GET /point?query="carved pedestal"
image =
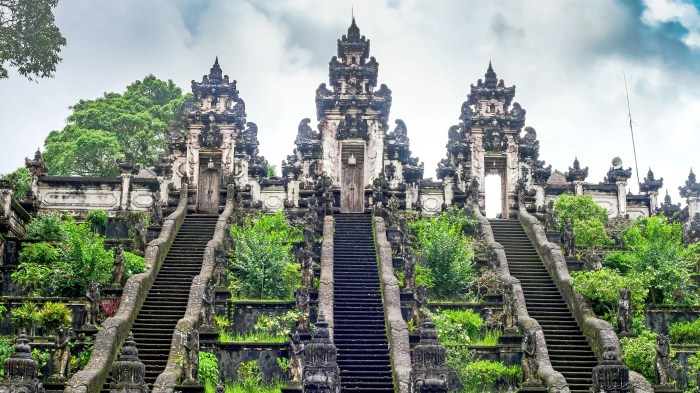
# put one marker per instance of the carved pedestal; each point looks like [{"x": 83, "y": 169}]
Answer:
[
  {"x": 320, "y": 373},
  {"x": 128, "y": 372},
  {"x": 611, "y": 375},
  {"x": 429, "y": 373},
  {"x": 21, "y": 370}
]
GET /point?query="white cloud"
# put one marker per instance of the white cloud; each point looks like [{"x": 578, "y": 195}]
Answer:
[{"x": 661, "y": 11}]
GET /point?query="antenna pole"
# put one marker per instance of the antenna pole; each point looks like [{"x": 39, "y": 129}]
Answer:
[{"x": 629, "y": 116}]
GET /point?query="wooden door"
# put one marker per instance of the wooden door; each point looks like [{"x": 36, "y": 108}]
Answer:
[
  {"x": 352, "y": 179},
  {"x": 208, "y": 193}
]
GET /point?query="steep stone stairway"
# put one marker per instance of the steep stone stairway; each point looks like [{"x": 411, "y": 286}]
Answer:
[
  {"x": 568, "y": 349},
  {"x": 167, "y": 299},
  {"x": 360, "y": 332}
]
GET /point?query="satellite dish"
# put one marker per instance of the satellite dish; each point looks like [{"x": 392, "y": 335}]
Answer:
[{"x": 616, "y": 163}]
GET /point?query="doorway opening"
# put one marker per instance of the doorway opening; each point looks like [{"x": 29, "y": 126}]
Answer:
[{"x": 493, "y": 198}]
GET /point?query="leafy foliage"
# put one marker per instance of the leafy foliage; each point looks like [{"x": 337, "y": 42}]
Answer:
[
  {"x": 685, "y": 332},
  {"x": 590, "y": 233},
  {"x": 250, "y": 376},
  {"x": 133, "y": 264},
  {"x": 78, "y": 361},
  {"x": 47, "y": 226},
  {"x": 639, "y": 353},
  {"x": 25, "y": 316},
  {"x": 97, "y": 218},
  {"x": 447, "y": 255},
  {"x": 54, "y": 315},
  {"x": 102, "y": 131},
  {"x": 208, "y": 374},
  {"x": 577, "y": 208},
  {"x": 7, "y": 348},
  {"x": 604, "y": 285},
  {"x": 456, "y": 326},
  {"x": 655, "y": 247},
  {"x": 262, "y": 251},
  {"x": 29, "y": 38},
  {"x": 20, "y": 182}
]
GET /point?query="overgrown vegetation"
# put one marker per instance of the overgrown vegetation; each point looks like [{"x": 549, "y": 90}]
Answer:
[
  {"x": 269, "y": 328},
  {"x": 639, "y": 353},
  {"x": 20, "y": 180},
  {"x": 684, "y": 332}
]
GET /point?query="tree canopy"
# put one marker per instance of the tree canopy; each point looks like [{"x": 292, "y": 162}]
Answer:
[
  {"x": 102, "y": 131},
  {"x": 29, "y": 39}
]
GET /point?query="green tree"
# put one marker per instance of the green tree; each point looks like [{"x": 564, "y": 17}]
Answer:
[
  {"x": 577, "y": 208},
  {"x": 20, "y": 181},
  {"x": 101, "y": 131},
  {"x": 29, "y": 38}
]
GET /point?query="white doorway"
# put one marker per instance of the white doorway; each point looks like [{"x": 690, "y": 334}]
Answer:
[{"x": 493, "y": 198}]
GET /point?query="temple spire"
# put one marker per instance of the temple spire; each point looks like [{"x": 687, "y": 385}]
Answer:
[
  {"x": 490, "y": 79},
  {"x": 353, "y": 31}
]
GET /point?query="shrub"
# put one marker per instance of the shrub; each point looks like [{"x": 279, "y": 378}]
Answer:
[
  {"x": 639, "y": 353},
  {"x": 291, "y": 277},
  {"x": 655, "y": 247},
  {"x": 7, "y": 348},
  {"x": 32, "y": 276},
  {"x": 20, "y": 182},
  {"x": 577, "y": 208},
  {"x": 133, "y": 264},
  {"x": 447, "y": 254},
  {"x": 456, "y": 326},
  {"x": 603, "y": 286},
  {"x": 47, "y": 226},
  {"x": 250, "y": 376},
  {"x": 78, "y": 361},
  {"x": 590, "y": 233},
  {"x": 96, "y": 218},
  {"x": 109, "y": 307},
  {"x": 262, "y": 251},
  {"x": 25, "y": 316},
  {"x": 54, "y": 315},
  {"x": 208, "y": 374},
  {"x": 482, "y": 375},
  {"x": 685, "y": 332}
]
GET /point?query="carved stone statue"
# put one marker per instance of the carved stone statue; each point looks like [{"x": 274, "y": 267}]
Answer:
[
  {"x": 421, "y": 300},
  {"x": 611, "y": 374},
  {"x": 21, "y": 370},
  {"x": 529, "y": 360},
  {"x": 568, "y": 238},
  {"x": 409, "y": 275},
  {"x": 510, "y": 313},
  {"x": 93, "y": 309},
  {"x": 208, "y": 303},
  {"x": 296, "y": 353},
  {"x": 220, "y": 274},
  {"x": 128, "y": 371},
  {"x": 624, "y": 314},
  {"x": 61, "y": 357},
  {"x": 119, "y": 268},
  {"x": 303, "y": 300},
  {"x": 191, "y": 357},
  {"x": 662, "y": 365},
  {"x": 320, "y": 373},
  {"x": 429, "y": 372},
  {"x": 307, "y": 268},
  {"x": 157, "y": 210}
]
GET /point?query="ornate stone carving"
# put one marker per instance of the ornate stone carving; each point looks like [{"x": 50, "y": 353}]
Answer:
[
  {"x": 495, "y": 140},
  {"x": 61, "y": 356},
  {"x": 21, "y": 370},
  {"x": 397, "y": 143},
  {"x": 37, "y": 166},
  {"x": 691, "y": 187},
  {"x": 576, "y": 173},
  {"x": 303, "y": 300},
  {"x": 93, "y": 309},
  {"x": 296, "y": 354},
  {"x": 221, "y": 265},
  {"x": 191, "y": 357},
  {"x": 624, "y": 314},
  {"x": 208, "y": 303},
  {"x": 320, "y": 373},
  {"x": 529, "y": 360},
  {"x": 128, "y": 371},
  {"x": 611, "y": 375},
  {"x": 662, "y": 363},
  {"x": 119, "y": 268},
  {"x": 353, "y": 127},
  {"x": 669, "y": 209},
  {"x": 210, "y": 136},
  {"x": 650, "y": 184},
  {"x": 529, "y": 146},
  {"x": 568, "y": 238},
  {"x": 693, "y": 233},
  {"x": 429, "y": 372},
  {"x": 510, "y": 313},
  {"x": 618, "y": 175}
]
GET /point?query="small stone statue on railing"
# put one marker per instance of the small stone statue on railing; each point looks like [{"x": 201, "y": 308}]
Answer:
[
  {"x": 157, "y": 210},
  {"x": 303, "y": 300},
  {"x": 510, "y": 312},
  {"x": 529, "y": 360},
  {"x": 61, "y": 357},
  {"x": 296, "y": 354},
  {"x": 624, "y": 314},
  {"x": 611, "y": 375},
  {"x": 429, "y": 372},
  {"x": 568, "y": 238},
  {"x": 420, "y": 298},
  {"x": 191, "y": 357},
  {"x": 220, "y": 274},
  {"x": 128, "y": 372},
  {"x": 409, "y": 269},
  {"x": 119, "y": 268},
  {"x": 320, "y": 373},
  {"x": 307, "y": 268},
  {"x": 21, "y": 370},
  {"x": 662, "y": 365},
  {"x": 93, "y": 308},
  {"x": 208, "y": 303}
]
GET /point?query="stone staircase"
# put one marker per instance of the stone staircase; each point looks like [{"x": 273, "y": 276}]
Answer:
[
  {"x": 167, "y": 299},
  {"x": 568, "y": 348},
  {"x": 359, "y": 329}
]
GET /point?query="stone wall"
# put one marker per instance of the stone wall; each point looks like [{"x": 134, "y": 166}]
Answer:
[
  {"x": 600, "y": 333},
  {"x": 114, "y": 330},
  {"x": 325, "y": 286},
  {"x": 232, "y": 355},
  {"x": 391, "y": 297}
]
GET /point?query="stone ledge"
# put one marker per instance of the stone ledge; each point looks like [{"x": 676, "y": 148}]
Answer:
[{"x": 325, "y": 286}]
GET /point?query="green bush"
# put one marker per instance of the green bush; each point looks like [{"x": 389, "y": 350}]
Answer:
[
  {"x": 639, "y": 353},
  {"x": 54, "y": 315},
  {"x": 250, "y": 376},
  {"x": 133, "y": 264},
  {"x": 208, "y": 374},
  {"x": 7, "y": 348},
  {"x": 685, "y": 332},
  {"x": 80, "y": 360},
  {"x": 35, "y": 266},
  {"x": 456, "y": 326},
  {"x": 262, "y": 251},
  {"x": 655, "y": 247},
  {"x": 96, "y": 218},
  {"x": 590, "y": 233},
  {"x": 481, "y": 375},
  {"x": 604, "y": 285},
  {"x": 25, "y": 316},
  {"x": 577, "y": 208},
  {"x": 447, "y": 254},
  {"x": 20, "y": 182},
  {"x": 46, "y": 226}
]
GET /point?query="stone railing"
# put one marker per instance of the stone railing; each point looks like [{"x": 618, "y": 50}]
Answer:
[
  {"x": 173, "y": 370},
  {"x": 600, "y": 333},
  {"x": 399, "y": 348},
  {"x": 553, "y": 380},
  {"x": 115, "y": 330},
  {"x": 325, "y": 285}
]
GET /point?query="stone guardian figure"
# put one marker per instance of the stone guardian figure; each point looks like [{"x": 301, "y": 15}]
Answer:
[
  {"x": 61, "y": 357},
  {"x": 568, "y": 238},
  {"x": 296, "y": 354},
  {"x": 510, "y": 313},
  {"x": 93, "y": 297},
  {"x": 208, "y": 311},
  {"x": 529, "y": 360},
  {"x": 624, "y": 314},
  {"x": 119, "y": 268},
  {"x": 191, "y": 357},
  {"x": 662, "y": 365}
]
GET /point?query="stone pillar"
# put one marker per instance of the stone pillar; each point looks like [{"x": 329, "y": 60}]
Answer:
[
  {"x": 21, "y": 370},
  {"x": 128, "y": 372},
  {"x": 449, "y": 190},
  {"x": 621, "y": 197},
  {"x": 429, "y": 372},
  {"x": 320, "y": 373},
  {"x": 693, "y": 207},
  {"x": 653, "y": 202},
  {"x": 578, "y": 188},
  {"x": 127, "y": 169}
]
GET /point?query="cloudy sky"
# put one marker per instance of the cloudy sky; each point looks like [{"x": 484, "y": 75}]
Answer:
[{"x": 566, "y": 58}]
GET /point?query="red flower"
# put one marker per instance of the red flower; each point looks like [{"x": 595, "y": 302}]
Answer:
[
  {"x": 69, "y": 277},
  {"x": 87, "y": 271}
]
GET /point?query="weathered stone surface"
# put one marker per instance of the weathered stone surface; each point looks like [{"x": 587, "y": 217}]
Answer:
[
  {"x": 21, "y": 370},
  {"x": 391, "y": 294},
  {"x": 128, "y": 372},
  {"x": 600, "y": 333},
  {"x": 320, "y": 373},
  {"x": 115, "y": 330},
  {"x": 325, "y": 287}
]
